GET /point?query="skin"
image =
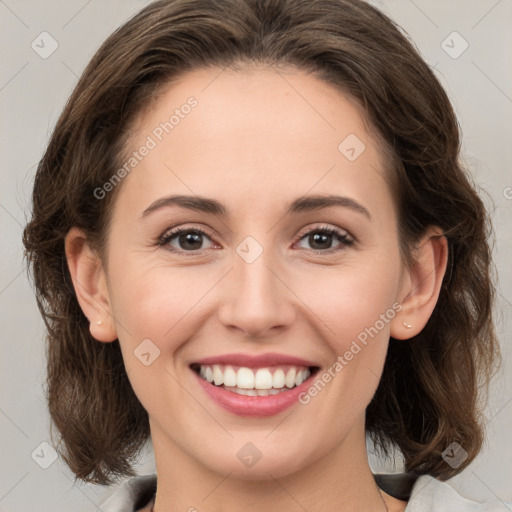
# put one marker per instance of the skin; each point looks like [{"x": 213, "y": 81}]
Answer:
[{"x": 258, "y": 139}]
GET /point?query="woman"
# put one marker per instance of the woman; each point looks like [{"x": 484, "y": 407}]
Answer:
[{"x": 253, "y": 244}]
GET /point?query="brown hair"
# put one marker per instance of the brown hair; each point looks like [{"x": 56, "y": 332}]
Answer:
[{"x": 428, "y": 395}]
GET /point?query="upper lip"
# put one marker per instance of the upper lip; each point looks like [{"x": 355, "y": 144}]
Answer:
[{"x": 255, "y": 361}]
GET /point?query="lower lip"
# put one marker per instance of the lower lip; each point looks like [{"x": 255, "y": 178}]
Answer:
[{"x": 244, "y": 405}]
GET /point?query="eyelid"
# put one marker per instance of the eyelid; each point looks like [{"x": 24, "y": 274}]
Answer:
[
  {"x": 342, "y": 235},
  {"x": 321, "y": 226},
  {"x": 175, "y": 230},
  {"x": 333, "y": 230}
]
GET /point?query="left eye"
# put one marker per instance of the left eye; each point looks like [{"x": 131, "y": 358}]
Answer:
[{"x": 324, "y": 236}]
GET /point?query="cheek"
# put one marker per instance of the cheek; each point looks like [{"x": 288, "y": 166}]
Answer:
[
  {"x": 155, "y": 303},
  {"x": 357, "y": 304},
  {"x": 153, "y": 308},
  {"x": 348, "y": 301}
]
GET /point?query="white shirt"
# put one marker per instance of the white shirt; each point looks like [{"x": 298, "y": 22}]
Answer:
[{"x": 427, "y": 495}]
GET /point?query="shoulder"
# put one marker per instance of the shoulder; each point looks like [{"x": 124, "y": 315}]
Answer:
[
  {"x": 431, "y": 495},
  {"x": 132, "y": 495},
  {"x": 428, "y": 494},
  {"x": 424, "y": 494}
]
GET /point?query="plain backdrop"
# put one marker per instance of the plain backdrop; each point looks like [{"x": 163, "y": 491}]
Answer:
[{"x": 33, "y": 91}]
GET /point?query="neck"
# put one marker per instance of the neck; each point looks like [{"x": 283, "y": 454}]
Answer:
[{"x": 339, "y": 480}]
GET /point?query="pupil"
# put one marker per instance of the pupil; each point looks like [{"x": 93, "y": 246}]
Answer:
[
  {"x": 318, "y": 237},
  {"x": 191, "y": 240}
]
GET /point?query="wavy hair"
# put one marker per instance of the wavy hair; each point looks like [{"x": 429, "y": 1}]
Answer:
[{"x": 428, "y": 396}]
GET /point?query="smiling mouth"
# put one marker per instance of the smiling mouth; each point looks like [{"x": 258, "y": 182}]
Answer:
[{"x": 265, "y": 381}]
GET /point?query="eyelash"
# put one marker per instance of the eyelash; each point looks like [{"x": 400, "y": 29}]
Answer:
[{"x": 341, "y": 235}]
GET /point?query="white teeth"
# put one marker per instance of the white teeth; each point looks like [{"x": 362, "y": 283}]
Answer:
[
  {"x": 265, "y": 380},
  {"x": 245, "y": 378},
  {"x": 229, "y": 376},
  {"x": 247, "y": 392},
  {"x": 304, "y": 374},
  {"x": 253, "y": 392},
  {"x": 290, "y": 378},
  {"x": 218, "y": 375},
  {"x": 278, "y": 379}
]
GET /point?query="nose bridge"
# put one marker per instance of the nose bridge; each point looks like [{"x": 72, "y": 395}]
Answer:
[
  {"x": 256, "y": 282},
  {"x": 256, "y": 300}
]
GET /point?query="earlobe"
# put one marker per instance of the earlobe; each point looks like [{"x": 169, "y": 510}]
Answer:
[
  {"x": 89, "y": 282},
  {"x": 422, "y": 285}
]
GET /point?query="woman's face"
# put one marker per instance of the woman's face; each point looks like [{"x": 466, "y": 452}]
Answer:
[{"x": 251, "y": 284}]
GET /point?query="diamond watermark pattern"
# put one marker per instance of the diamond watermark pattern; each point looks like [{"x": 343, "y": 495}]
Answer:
[
  {"x": 44, "y": 45},
  {"x": 147, "y": 352},
  {"x": 454, "y": 45},
  {"x": 249, "y": 455},
  {"x": 249, "y": 249},
  {"x": 351, "y": 147},
  {"x": 455, "y": 455},
  {"x": 45, "y": 455}
]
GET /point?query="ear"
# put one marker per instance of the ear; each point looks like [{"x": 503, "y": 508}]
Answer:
[
  {"x": 90, "y": 285},
  {"x": 421, "y": 285}
]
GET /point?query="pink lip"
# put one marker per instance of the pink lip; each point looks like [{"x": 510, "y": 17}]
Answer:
[
  {"x": 244, "y": 405},
  {"x": 255, "y": 406},
  {"x": 256, "y": 361}
]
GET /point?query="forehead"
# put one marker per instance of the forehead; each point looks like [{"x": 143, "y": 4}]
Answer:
[{"x": 255, "y": 132}]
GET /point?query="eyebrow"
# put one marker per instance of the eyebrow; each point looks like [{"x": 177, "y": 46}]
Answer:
[{"x": 214, "y": 207}]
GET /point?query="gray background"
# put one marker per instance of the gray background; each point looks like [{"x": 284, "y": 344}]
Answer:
[{"x": 33, "y": 91}]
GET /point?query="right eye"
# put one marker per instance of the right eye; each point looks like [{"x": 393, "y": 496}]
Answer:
[{"x": 183, "y": 240}]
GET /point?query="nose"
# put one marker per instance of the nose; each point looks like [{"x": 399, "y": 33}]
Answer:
[{"x": 256, "y": 300}]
